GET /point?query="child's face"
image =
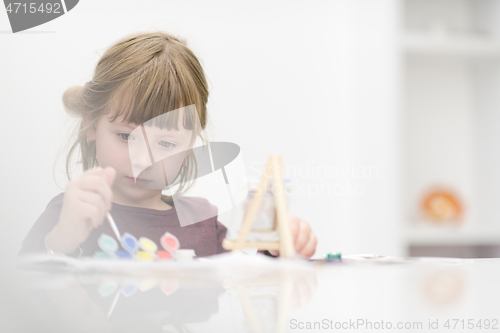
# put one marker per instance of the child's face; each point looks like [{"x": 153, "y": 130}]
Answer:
[{"x": 122, "y": 146}]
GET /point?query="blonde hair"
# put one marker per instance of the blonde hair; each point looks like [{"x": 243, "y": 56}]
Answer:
[{"x": 140, "y": 77}]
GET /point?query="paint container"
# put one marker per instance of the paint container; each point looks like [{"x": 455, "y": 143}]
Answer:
[{"x": 129, "y": 243}]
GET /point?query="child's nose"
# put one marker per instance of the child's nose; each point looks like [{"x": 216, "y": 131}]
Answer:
[{"x": 140, "y": 160}]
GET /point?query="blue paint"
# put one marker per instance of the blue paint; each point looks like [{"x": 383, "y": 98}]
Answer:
[
  {"x": 123, "y": 255},
  {"x": 129, "y": 243}
]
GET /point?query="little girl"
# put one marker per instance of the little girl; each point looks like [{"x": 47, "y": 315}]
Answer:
[{"x": 139, "y": 78}]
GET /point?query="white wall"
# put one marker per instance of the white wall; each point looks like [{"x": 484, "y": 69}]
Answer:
[
  {"x": 487, "y": 85},
  {"x": 441, "y": 131},
  {"x": 487, "y": 79},
  {"x": 315, "y": 82}
]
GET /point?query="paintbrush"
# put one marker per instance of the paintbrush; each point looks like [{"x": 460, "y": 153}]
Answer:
[{"x": 113, "y": 226}]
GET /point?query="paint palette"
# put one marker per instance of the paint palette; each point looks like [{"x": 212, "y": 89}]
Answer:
[{"x": 143, "y": 249}]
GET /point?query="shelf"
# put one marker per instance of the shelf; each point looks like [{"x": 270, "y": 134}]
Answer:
[
  {"x": 459, "y": 45},
  {"x": 442, "y": 236}
]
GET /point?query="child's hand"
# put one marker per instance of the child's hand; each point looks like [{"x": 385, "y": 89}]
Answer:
[
  {"x": 86, "y": 200},
  {"x": 304, "y": 239}
]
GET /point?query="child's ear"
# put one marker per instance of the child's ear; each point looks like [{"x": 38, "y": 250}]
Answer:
[{"x": 91, "y": 131}]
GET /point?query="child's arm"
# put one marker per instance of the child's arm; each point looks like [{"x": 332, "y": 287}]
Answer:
[{"x": 86, "y": 201}]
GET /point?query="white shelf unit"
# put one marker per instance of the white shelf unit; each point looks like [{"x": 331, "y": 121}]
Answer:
[
  {"x": 450, "y": 53},
  {"x": 425, "y": 235},
  {"x": 421, "y": 43}
]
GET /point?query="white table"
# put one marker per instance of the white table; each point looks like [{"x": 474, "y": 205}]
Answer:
[{"x": 432, "y": 295}]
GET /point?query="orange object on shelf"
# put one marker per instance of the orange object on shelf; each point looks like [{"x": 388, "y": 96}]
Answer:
[{"x": 442, "y": 205}]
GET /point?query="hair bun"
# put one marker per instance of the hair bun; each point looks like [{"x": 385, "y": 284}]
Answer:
[{"x": 73, "y": 101}]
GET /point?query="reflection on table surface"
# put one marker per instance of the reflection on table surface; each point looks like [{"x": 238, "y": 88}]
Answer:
[{"x": 261, "y": 295}]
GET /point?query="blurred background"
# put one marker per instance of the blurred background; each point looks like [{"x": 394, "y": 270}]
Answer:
[{"x": 386, "y": 112}]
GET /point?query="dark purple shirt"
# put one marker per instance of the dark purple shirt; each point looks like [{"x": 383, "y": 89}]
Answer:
[{"x": 204, "y": 237}]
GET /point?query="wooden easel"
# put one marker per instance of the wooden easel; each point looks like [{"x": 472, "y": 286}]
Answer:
[{"x": 273, "y": 169}]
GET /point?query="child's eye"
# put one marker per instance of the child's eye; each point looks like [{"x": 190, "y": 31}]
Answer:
[
  {"x": 126, "y": 136},
  {"x": 166, "y": 144}
]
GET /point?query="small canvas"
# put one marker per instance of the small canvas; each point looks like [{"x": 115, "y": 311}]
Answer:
[{"x": 278, "y": 237}]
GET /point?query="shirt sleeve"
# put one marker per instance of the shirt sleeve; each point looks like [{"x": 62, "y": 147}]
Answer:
[
  {"x": 221, "y": 234},
  {"x": 34, "y": 240}
]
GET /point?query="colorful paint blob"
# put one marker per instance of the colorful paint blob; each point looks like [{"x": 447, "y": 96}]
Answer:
[
  {"x": 147, "y": 245},
  {"x": 102, "y": 255},
  {"x": 107, "y": 243},
  {"x": 164, "y": 255},
  {"x": 143, "y": 249},
  {"x": 129, "y": 243},
  {"x": 144, "y": 256},
  {"x": 123, "y": 255},
  {"x": 169, "y": 242}
]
